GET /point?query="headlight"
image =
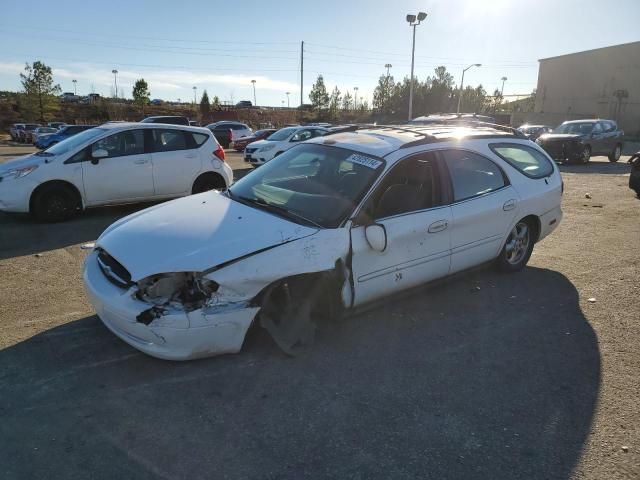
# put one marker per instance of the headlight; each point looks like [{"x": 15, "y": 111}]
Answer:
[
  {"x": 266, "y": 148},
  {"x": 186, "y": 291},
  {"x": 21, "y": 172}
]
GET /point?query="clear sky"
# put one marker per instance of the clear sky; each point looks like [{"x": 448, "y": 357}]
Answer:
[{"x": 222, "y": 45}]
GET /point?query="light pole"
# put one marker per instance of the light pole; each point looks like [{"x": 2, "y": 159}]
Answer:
[
  {"x": 195, "y": 94},
  {"x": 355, "y": 97},
  {"x": 287, "y": 98},
  {"x": 413, "y": 22},
  {"x": 115, "y": 80},
  {"x": 384, "y": 97},
  {"x": 387, "y": 66},
  {"x": 75, "y": 90},
  {"x": 504, "y": 79},
  {"x": 282, "y": 101},
  {"x": 462, "y": 84},
  {"x": 255, "y": 104}
]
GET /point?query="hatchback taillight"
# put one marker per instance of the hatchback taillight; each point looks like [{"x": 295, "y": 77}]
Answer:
[{"x": 219, "y": 152}]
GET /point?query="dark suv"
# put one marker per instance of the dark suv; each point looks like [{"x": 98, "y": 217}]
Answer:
[{"x": 576, "y": 141}]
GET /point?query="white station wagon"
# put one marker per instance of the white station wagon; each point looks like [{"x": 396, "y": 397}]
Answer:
[
  {"x": 113, "y": 163},
  {"x": 333, "y": 223}
]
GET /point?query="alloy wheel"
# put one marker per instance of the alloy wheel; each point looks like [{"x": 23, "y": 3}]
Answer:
[{"x": 517, "y": 243}]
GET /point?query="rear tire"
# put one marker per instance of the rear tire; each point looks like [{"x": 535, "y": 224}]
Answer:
[
  {"x": 208, "y": 181},
  {"x": 55, "y": 203},
  {"x": 518, "y": 247},
  {"x": 586, "y": 155},
  {"x": 615, "y": 155}
]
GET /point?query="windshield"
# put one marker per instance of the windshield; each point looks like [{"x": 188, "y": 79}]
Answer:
[
  {"x": 282, "y": 134},
  {"x": 580, "y": 128},
  {"x": 72, "y": 143},
  {"x": 310, "y": 184}
]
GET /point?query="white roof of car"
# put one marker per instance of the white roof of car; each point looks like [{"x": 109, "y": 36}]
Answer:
[{"x": 385, "y": 139}]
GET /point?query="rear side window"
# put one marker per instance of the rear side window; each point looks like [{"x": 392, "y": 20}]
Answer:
[
  {"x": 472, "y": 174},
  {"x": 199, "y": 138},
  {"x": 527, "y": 160},
  {"x": 168, "y": 140}
]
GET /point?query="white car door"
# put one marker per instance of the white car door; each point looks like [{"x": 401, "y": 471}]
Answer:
[
  {"x": 175, "y": 161},
  {"x": 117, "y": 169},
  {"x": 408, "y": 205},
  {"x": 484, "y": 206}
]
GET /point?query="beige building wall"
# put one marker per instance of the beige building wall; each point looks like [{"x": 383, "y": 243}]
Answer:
[{"x": 601, "y": 83}]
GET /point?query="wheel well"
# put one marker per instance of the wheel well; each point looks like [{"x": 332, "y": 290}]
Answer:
[
  {"x": 534, "y": 221},
  {"x": 55, "y": 183},
  {"x": 216, "y": 179}
]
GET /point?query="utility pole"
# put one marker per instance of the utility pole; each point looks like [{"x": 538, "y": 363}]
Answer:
[
  {"x": 115, "y": 80},
  {"x": 254, "y": 93},
  {"x": 288, "y": 93},
  {"x": 355, "y": 97},
  {"x": 75, "y": 91},
  {"x": 301, "y": 71}
]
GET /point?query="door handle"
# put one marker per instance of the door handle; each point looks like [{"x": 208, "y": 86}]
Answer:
[
  {"x": 140, "y": 162},
  {"x": 509, "y": 205},
  {"x": 438, "y": 226}
]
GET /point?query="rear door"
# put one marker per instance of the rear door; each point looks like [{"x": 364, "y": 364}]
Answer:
[
  {"x": 483, "y": 209},
  {"x": 125, "y": 174},
  {"x": 175, "y": 161},
  {"x": 409, "y": 205}
]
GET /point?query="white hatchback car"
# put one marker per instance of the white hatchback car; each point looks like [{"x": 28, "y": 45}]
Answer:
[
  {"x": 260, "y": 152},
  {"x": 114, "y": 163},
  {"x": 333, "y": 223}
]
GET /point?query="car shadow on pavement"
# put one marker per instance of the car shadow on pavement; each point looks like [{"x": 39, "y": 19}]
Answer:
[
  {"x": 24, "y": 235},
  {"x": 618, "y": 168},
  {"x": 485, "y": 376}
]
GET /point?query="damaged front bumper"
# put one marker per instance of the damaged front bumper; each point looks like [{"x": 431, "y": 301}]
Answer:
[{"x": 174, "y": 335}]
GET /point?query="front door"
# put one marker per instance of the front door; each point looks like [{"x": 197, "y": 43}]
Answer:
[
  {"x": 484, "y": 207},
  {"x": 124, "y": 174},
  {"x": 408, "y": 204}
]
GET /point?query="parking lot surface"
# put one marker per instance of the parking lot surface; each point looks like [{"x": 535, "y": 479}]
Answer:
[{"x": 531, "y": 375}]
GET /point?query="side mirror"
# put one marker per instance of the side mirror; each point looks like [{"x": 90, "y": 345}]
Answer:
[
  {"x": 376, "y": 236},
  {"x": 97, "y": 154}
]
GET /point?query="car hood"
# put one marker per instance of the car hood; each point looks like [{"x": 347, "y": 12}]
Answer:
[
  {"x": 193, "y": 234},
  {"x": 260, "y": 143},
  {"x": 560, "y": 136},
  {"x": 21, "y": 162}
]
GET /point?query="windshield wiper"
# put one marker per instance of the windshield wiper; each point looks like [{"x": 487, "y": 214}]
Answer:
[{"x": 278, "y": 209}]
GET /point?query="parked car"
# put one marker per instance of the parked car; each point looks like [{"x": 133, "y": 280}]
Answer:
[
  {"x": 534, "y": 131},
  {"x": 227, "y": 131},
  {"x": 110, "y": 164},
  {"x": 438, "y": 118},
  {"x": 24, "y": 134},
  {"x": 244, "y": 104},
  {"x": 167, "y": 119},
  {"x": 634, "y": 177},
  {"x": 343, "y": 220},
  {"x": 69, "y": 97},
  {"x": 260, "y": 152},
  {"x": 156, "y": 101},
  {"x": 578, "y": 140},
  {"x": 56, "y": 125},
  {"x": 194, "y": 123},
  {"x": 46, "y": 141},
  {"x": 14, "y": 129},
  {"x": 32, "y": 137},
  {"x": 240, "y": 144}
]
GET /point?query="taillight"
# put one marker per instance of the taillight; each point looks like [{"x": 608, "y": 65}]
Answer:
[{"x": 219, "y": 152}]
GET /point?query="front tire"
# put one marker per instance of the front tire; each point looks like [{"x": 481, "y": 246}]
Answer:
[
  {"x": 586, "y": 155},
  {"x": 615, "y": 155},
  {"x": 54, "y": 203},
  {"x": 208, "y": 181},
  {"x": 518, "y": 247}
]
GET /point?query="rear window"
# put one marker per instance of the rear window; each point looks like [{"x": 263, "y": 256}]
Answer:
[
  {"x": 169, "y": 140},
  {"x": 527, "y": 160}
]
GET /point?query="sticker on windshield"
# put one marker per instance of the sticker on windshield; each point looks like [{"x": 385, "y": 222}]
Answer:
[{"x": 365, "y": 161}]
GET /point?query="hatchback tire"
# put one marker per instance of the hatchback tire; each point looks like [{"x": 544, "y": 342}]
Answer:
[
  {"x": 615, "y": 155},
  {"x": 518, "y": 248},
  {"x": 208, "y": 181},
  {"x": 55, "y": 203}
]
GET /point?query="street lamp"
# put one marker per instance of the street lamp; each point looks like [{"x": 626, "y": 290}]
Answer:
[
  {"x": 387, "y": 66},
  {"x": 504, "y": 79},
  {"x": 75, "y": 91},
  {"x": 287, "y": 98},
  {"x": 355, "y": 97},
  {"x": 462, "y": 83},
  {"x": 115, "y": 80},
  {"x": 413, "y": 22},
  {"x": 255, "y": 104},
  {"x": 195, "y": 94}
]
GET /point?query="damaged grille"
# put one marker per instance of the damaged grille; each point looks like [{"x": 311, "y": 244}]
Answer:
[{"x": 113, "y": 270}]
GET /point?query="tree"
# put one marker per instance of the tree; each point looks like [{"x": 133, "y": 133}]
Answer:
[
  {"x": 334, "y": 102},
  {"x": 141, "y": 93},
  {"x": 318, "y": 95},
  {"x": 39, "y": 90},
  {"x": 347, "y": 101},
  {"x": 383, "y": 92},
  {"x": 205, "y": 106},
  {"x": 216, "y": 103}
]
